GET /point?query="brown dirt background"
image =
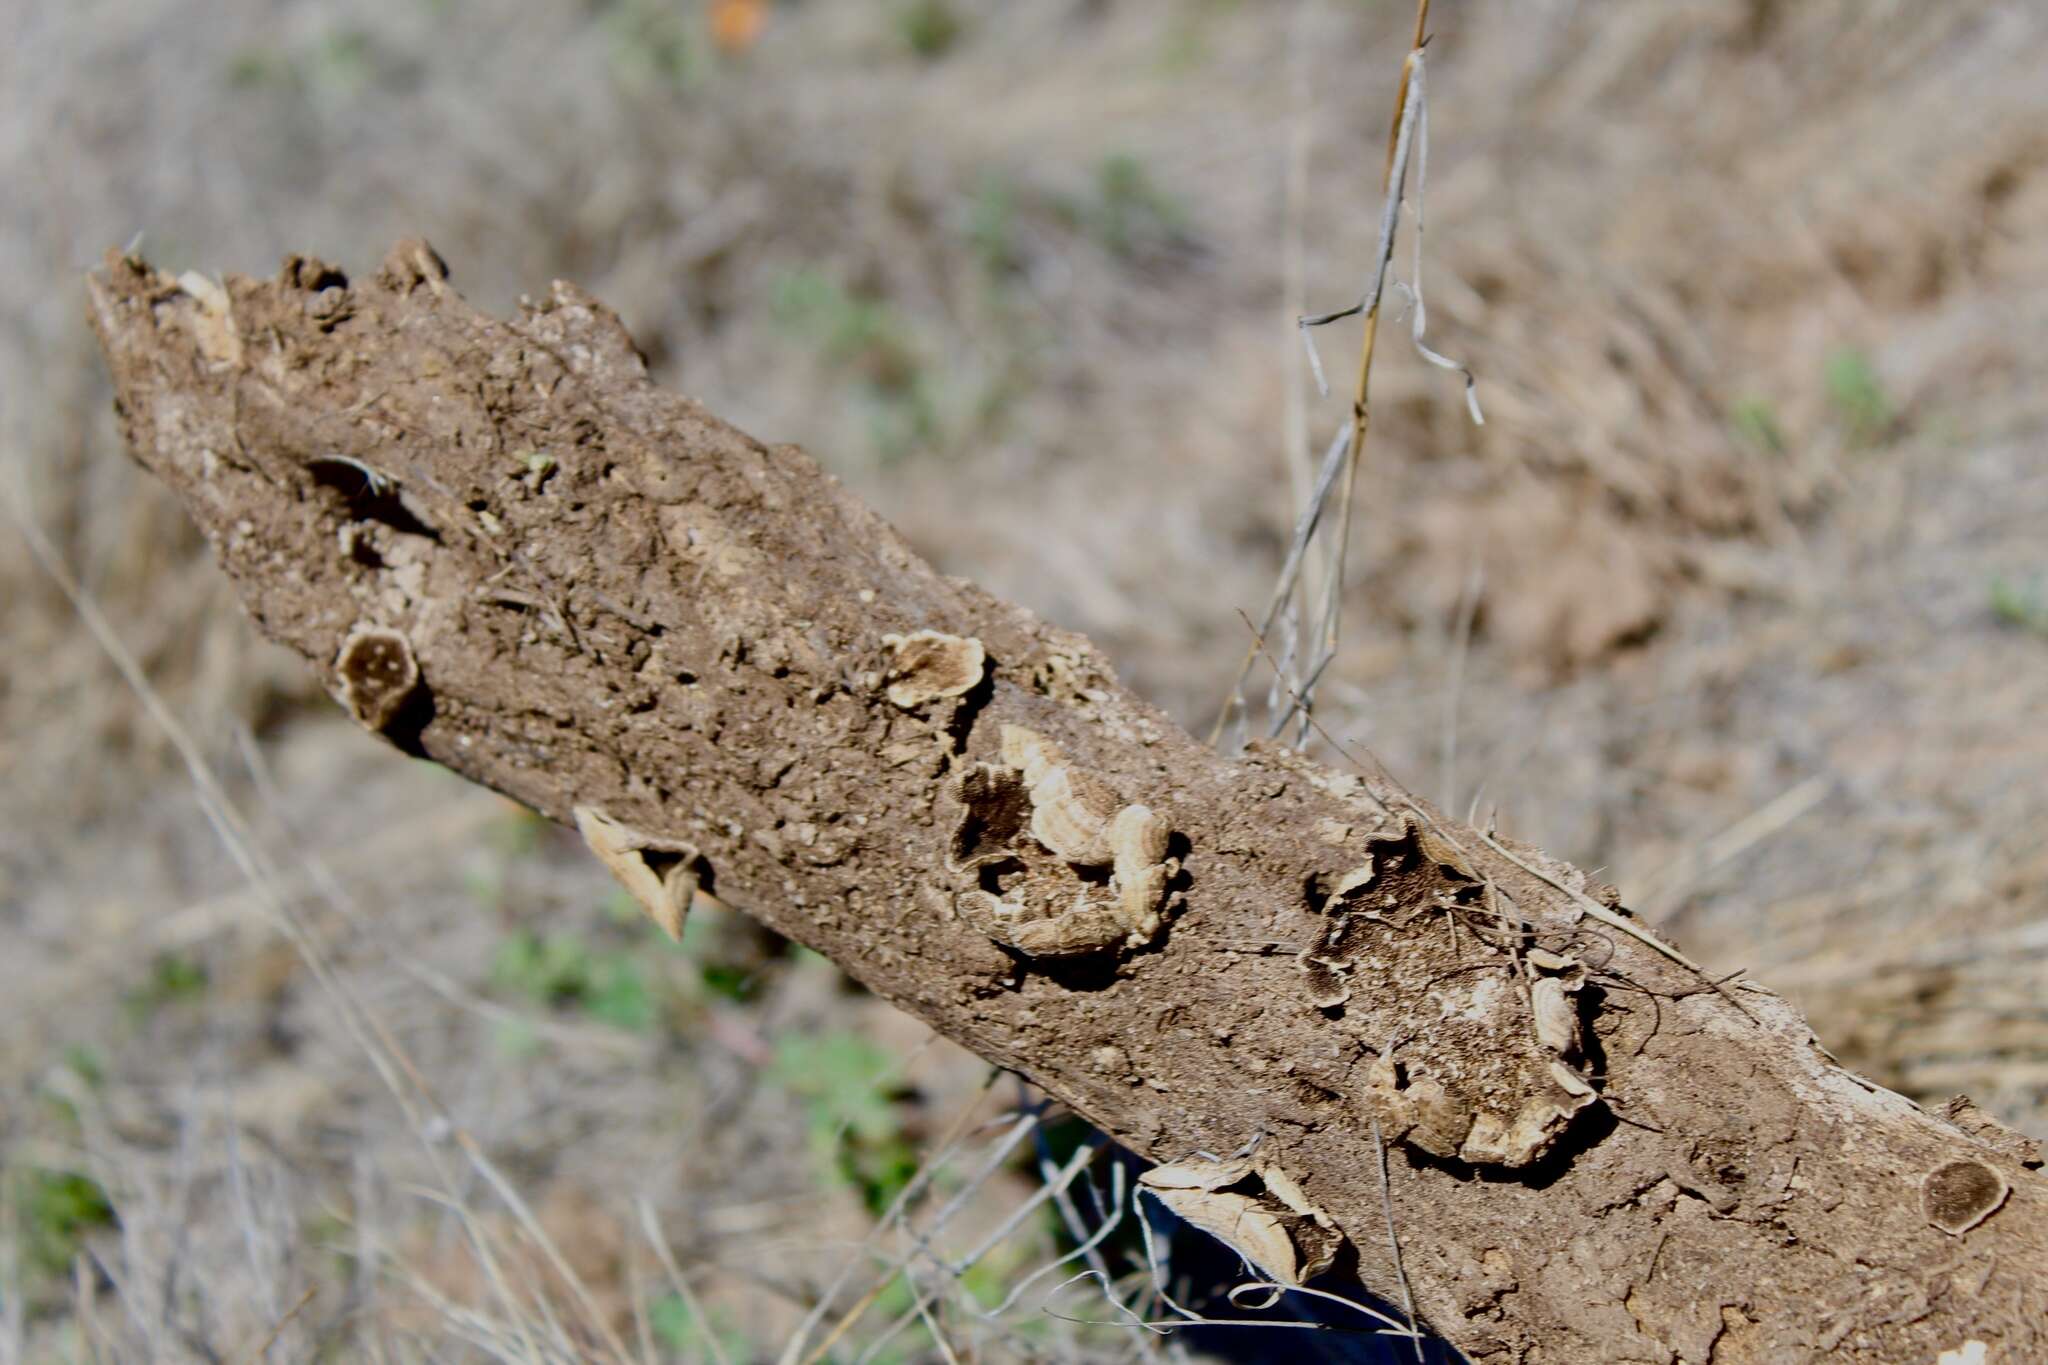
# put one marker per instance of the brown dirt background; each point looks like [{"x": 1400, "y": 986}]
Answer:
[{"x": 1760, "y": 629}]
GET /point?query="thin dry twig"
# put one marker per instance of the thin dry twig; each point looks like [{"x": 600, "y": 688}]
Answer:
[
  {"x": 1406, "y": 104},
  {"x": 1379, "y": 1143},
  {"x": 1348, "y": 447},
  {"x": 1621, "y": 922},
  {"x": 942, "y": 1153},
  {"x": 1461, "y": 648},
  {"x": 651, "y": 1227},
  {"x": 1667, "y": 884},
  {"x": 263, "y": 1347}
]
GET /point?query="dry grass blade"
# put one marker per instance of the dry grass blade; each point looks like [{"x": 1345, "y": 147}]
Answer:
[
  {"x": 1407, "y": 136},
  {"x": 262, "y": 1348},
  {"x": 1406, "y": 105},
  {"x": 1297, "y": 547},
  {"x": 650, "y": 1226},
  {"x": 1054, "y": 1184},
  {"x": 942, "y": 1152},
  {"x": 1663, "y": 889},
  {"x": 1461, "y": 649}
]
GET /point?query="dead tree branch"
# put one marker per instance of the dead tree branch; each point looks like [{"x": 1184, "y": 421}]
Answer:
[{"x": 503, "y": 548}]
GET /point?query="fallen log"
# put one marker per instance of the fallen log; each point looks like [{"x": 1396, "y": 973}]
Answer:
[{"x": 503, "y": 548}]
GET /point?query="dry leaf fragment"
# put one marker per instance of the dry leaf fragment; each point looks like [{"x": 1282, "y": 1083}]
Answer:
[{"x": 664, "y": 884}]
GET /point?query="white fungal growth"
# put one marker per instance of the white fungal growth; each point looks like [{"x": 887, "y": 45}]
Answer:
[
  {"x": 928, "y": 666},
  {"x": 1080, "y": 821}
]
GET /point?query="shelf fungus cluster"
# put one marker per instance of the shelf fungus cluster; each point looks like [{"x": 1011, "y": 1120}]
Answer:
[
  {"x": 1034, "y": 839},
  {"x": 1255, "y": 1208},
  {"x": 1485, "y": 1060}
]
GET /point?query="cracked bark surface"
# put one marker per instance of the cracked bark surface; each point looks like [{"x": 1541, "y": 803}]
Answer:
[{"x": 615, "y": 600}]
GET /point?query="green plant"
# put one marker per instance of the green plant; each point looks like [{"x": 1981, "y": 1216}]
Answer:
[
  {"x": 1756, "y": 425},
  {"x": 729, "y": 982},
  {"x": 2021, "y": 606},
  {"x": 679, "y": 1329},
  {"x": 864, "y": 336},
  {"x": 173, "y": 978},
  {"x": 1130, "y": 214},
  {"x": 515, "y": 1038},
  {"x": 1857, "y": 395},
  {"x": 1189, "y": 39},
  {"x": 483, "y": 877},
  {"x": 85, "y": 1062},
  {"x": 929, "y": 28},
  {"x": 992, "y": 225},
  {"x": 562, "y": 971},
  {"x": 55, "y": 1211},
  {"x": 852, "y": 329},
  {"x": 652, "y": 42},
  {"x": 853, "y": 1126},
  {"x": 331, "y": 1234},
  {"x": 87, "y": 1070},
  {"x": 345, "y": 61},
  {"x": 251, "y": 67},
  {"x": 705, "y": 935},
  {"x": 517, "y": 832}
]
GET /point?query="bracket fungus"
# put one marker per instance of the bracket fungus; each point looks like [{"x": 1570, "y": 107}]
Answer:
[
  {"x": 1504, "y": 1105},
  {"x": 1034, "y": 804},
  {"x": 1958, "y": 1195},
  {"x": 378, "y": 674},
  {"x": 1253, "y": 1208},
  {"x": 929, "y": 666},
  {"x": 658, "y": 872}
]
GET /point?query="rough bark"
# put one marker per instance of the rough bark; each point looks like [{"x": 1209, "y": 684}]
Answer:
[{"x": 615, "y": 600}]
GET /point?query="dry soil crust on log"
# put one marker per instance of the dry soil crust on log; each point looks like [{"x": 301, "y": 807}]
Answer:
[{"x": 507, "y": 550}]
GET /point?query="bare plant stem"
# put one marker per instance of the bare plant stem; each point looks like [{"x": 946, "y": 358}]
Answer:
[
  {"x": 1316, "y": 659},
  {"x": 1361, "y": 405}
]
